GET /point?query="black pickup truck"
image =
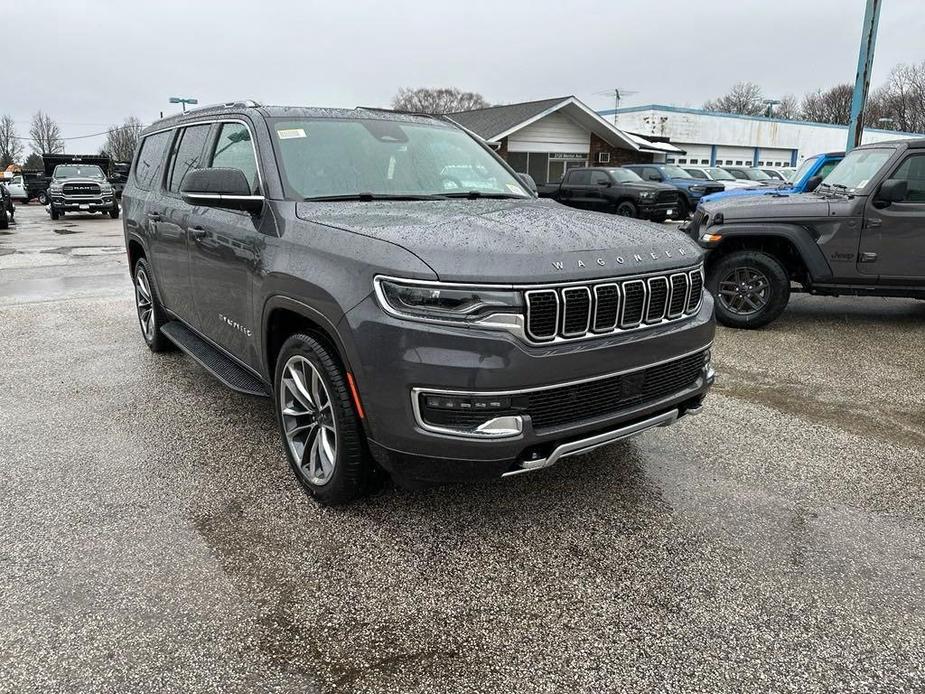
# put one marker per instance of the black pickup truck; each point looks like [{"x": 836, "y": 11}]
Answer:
[{"x": 615, "y": 190}]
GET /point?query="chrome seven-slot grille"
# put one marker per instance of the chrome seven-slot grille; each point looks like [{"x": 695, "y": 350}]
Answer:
[{"x": 612, "y": 306}]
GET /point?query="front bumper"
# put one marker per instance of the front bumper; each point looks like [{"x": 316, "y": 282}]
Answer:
[
  {"x": 649, "y": 209},
  {"x": 397, "y": 362},
  {"x": 82, "y": 204}
]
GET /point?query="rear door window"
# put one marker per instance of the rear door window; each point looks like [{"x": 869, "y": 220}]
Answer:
[
  {"x": 187, "y": 154},
  {"x": 599, "y": 177},
  {"x": 150, "y": 158}
]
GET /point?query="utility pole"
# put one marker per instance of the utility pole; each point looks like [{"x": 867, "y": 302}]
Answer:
[{"x": 862, "y": 79}]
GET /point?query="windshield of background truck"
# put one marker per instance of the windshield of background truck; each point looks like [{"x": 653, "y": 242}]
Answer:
[
  {"x": 333, "y": 157},
  {"x": 676, "y": 172},
  {"x": 720, "y": 174},
  {"x": 807, "y": 164},
  {"x": 82, "y": 171},
  {"x": 857, "y": 168}
]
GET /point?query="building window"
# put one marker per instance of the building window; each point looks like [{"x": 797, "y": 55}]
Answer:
[
  {"x": 729, "y": 162},
  {"x": 738, "y": 162},
  {"x": 670, "y": 160},
  {"x": 748, "y": 163},
  {"x": 705, "y": 161},
  {"x": 682, "y": 161}
]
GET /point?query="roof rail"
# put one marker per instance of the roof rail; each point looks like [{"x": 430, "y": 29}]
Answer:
[
  {"x": 240, "y": 103},
  {"x": 422, "y": 114}
]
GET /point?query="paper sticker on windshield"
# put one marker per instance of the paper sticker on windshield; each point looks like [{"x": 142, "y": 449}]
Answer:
[
  {"x": 515, "y": 189},
  {"x": 863, "y": 183},
  {"x": 290, "y": 133}
]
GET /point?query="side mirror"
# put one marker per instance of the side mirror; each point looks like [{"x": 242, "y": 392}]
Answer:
[
  {"x": 892, "y": 191},
  {"x": 813, "y": 183},
  {"x": 528, "y": 181},
  {"x": 654, "y": 177},
  {"x": 224, "y": 188}
]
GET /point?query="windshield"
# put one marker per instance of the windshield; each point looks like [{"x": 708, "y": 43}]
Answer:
[
  {"x": 804, "y": 168},
  {"x": 857, "y": 168},
  {"x": 324, "y": 157},
  {"x": 718, "y": 174},
  {"x": 78, "y": 171},
  {"x": 676, "y": 172},
  {"x": 625, "y": 176},
  {"x": 756, "y": 175}
]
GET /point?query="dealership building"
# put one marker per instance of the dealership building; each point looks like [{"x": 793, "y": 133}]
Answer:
[
  {"x": 545, "y": 138},
  {"x": 727, "y": 139}
]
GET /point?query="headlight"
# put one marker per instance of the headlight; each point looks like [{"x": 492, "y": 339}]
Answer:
[
  {"x": 434, "y": 301},
  {"x": 648, "y": 195},
  {"x": 697, "y": 189}
]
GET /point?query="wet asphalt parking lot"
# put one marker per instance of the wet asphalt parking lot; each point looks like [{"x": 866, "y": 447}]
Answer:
[{"x": 153, "y": 539}]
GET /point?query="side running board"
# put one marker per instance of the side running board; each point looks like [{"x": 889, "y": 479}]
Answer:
[{"x": 212, "y": 360}]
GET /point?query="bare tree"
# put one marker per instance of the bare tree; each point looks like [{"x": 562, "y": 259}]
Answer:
[
  {"x": 789, "y": 108},
  {"x": 829, "y": 106},
  {"x": 744, "y": 98},
  {"x": 121, "y": 140},
  {"x": 439, "y": 101},
  {"x": 10, "y": 146},
  {"x": 901, "y": 100},
  {"x": 45, "y": 134}
]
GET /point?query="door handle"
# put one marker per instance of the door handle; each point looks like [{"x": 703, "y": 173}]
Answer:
[
  {"x": 868, "y": 257},
  {"x": 154, "y": 216},
  {"x": 874, "y": 222},
  {"x": 198, "y": 233}
]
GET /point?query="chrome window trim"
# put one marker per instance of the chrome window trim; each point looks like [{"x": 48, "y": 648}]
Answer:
[
  {"x": 575, "y": 333},
  {"x": 616, "y": 315},
  {"x": 555, "y": 329},
  {"x": 687, "y": 294},
  {"x": 645, "y": 305},
  {"x": 207, "y": 121},
  {"x": 418, "y": 391},
  {"x": 645, "y": 317}
]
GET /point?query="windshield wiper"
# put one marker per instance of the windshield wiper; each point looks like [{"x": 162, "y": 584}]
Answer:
[
  {"x": 474, "y": 194},
  {"x": 369, "y": 197}
]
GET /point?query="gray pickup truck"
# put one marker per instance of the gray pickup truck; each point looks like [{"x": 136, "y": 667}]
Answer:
[
  {"x": 80, "y": 188},
  {"x": 403, "y": 298}
]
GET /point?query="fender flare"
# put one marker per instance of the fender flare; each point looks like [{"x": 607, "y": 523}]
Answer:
[
  {"x": 798, "y": 236},
  {"x": 279, "y": 301}
]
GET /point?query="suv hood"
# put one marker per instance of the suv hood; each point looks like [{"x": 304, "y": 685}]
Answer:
[
  {"x": 102, "y": 182},
  {"x": 648, "y": 185},
  {"x": 768, "y": 206},
  {"x": 511, "y": 241}
]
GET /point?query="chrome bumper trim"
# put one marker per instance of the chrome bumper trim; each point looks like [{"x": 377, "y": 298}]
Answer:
[{"x": 588, "y": 444}]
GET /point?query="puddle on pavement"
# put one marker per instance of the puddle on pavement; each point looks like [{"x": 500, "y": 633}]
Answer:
[
  {"x": 7, "y": 251},
  {"x": 66, "y": 231}
]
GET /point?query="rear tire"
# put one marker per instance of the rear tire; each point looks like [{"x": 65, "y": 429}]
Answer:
[
  {"x": 4, "y": 217},
  {"x": 321, "y": 431},
  {"x": 751, "y": 289},
  {"x": 43, "y": 198}
]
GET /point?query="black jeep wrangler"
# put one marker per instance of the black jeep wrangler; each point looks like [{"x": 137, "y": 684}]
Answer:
[{"x": 860, "y": 232}]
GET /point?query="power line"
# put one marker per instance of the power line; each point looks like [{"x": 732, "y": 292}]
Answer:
[{"x": 84, "y": 137}]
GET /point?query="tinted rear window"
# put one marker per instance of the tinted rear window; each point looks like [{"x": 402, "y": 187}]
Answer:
[{"x": 148, "y": 164}]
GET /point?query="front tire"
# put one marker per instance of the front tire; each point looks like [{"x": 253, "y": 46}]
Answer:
[
  {"x": 4, "y": 217},
  {"x": 625, "y": 208},
  {"x": 55, "y": 214},
  {"x": 321, "y": 431},
  {"x": 151, "y": 315},
  {"x": 751, "y": 289},
  {"x": 684, "y": 208},
  {"x": 114, "y": 212}
]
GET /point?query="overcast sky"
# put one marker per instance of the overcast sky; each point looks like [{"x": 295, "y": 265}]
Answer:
[{"x": 91, "y": 63}]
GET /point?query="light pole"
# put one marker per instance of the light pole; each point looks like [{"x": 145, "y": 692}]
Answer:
[
  {"x": 183, "y": 100},
  {"x": 862, "y": 79},
  {"x": 769, "y": 107},
  {"x": 885, "y": 123}
]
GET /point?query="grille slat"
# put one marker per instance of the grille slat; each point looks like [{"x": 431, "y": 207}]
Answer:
[
  {"x": 693, "y": 303},
  {"x": 578, "y": 311},
  {"x": 658, "y": 299},
  {"x": 80, "y": 189},
  {"x": 678, "y": 303}
]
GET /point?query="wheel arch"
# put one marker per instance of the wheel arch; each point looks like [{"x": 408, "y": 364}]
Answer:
[
  {"x": 134, "y": 249},
  {"x": 791, "y": 245}
]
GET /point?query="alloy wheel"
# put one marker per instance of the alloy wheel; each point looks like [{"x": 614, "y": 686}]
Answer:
[
  {"x": 145, "y": 304},
  {"x": 744, "y": 291},
  {"x": 308, "y": 420}
]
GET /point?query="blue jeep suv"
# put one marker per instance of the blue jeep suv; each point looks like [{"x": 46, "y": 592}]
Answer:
[
  {"x": 690, "y": 189},
  {"x": 818, "y": 165}
]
